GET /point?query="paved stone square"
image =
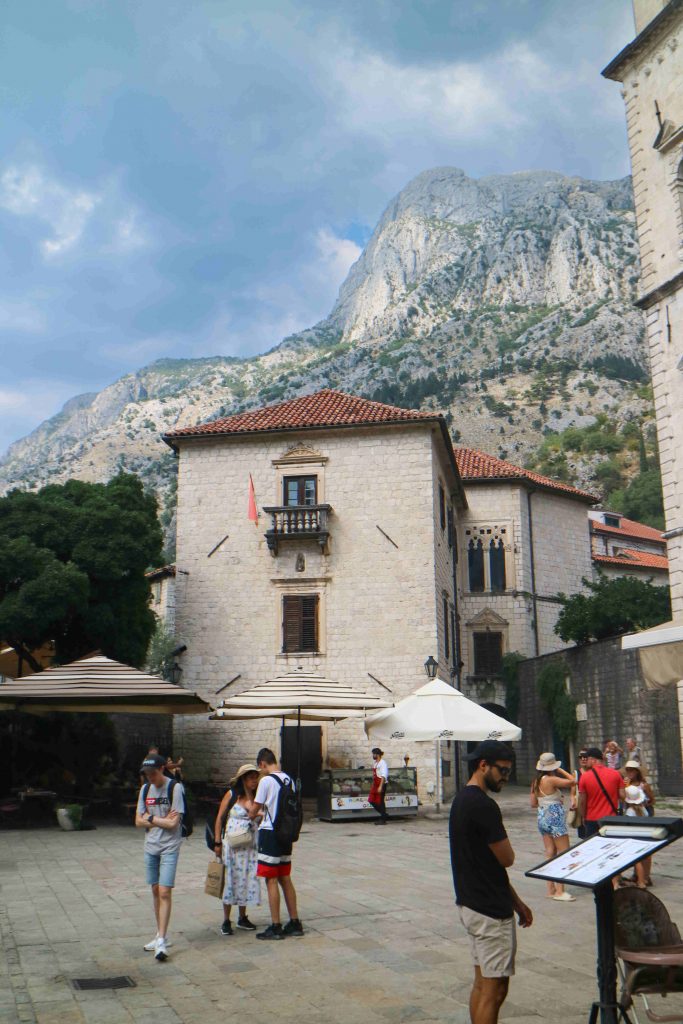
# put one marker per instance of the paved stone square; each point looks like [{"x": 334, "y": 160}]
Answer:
[{"x": 383, "y": 941}]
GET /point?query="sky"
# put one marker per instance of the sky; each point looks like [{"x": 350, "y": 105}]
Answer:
[{"x": 194, "y": 179}]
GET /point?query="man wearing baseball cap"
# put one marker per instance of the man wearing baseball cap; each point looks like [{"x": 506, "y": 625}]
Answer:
[
  {"x": 159, "y": 811},
  {"x": 600, "y": 790},
  {"x": 480, "y": 854}
]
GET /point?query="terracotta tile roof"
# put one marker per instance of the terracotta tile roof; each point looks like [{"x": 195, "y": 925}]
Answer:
[
  {"x": 325, "y": 408},
  {"x": 478, "y": 466},
  {"x": 629, "y": 528},
  {"x": 634, "y": 559}
]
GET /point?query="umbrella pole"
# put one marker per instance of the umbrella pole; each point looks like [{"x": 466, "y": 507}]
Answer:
[
  {"x": 298, "y": 750},
  {"x": 438, "y": 776}
]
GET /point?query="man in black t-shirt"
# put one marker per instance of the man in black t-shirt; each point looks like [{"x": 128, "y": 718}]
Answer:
[{"x": 480, "y": 853}]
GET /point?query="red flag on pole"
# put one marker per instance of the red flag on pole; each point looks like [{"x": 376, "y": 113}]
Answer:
[{"x": 252, "y": 512}]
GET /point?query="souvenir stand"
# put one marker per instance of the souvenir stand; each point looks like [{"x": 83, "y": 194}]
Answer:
[{"x": 619, "y": 843}]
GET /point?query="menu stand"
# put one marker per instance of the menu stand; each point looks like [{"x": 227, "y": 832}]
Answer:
[{"x": 619, "y": 843}]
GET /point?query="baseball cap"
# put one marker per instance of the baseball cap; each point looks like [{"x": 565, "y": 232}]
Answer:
[
  {"x": 491, "y": 750},
  {"x": 594, "y": 752},
  {"x": 152, "y": 762}
]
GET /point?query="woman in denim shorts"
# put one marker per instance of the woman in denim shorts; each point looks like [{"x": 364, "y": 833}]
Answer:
[{"x": 547, "y": 796}]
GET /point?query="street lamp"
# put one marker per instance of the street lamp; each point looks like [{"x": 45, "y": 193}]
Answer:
[
  {"x": 176, "y": 672},
  {"x": 431, "y": 665}
]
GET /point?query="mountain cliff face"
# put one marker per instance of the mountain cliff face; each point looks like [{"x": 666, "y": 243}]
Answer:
[{"x": 504, "y": 302}]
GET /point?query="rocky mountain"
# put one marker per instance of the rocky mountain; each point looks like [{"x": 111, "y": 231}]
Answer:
[{"x": 505, "y": 302}]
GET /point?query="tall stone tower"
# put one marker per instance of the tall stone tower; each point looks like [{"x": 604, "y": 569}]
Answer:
[{"x": 651, "y": 72}]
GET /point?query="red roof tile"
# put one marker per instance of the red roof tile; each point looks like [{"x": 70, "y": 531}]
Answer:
[
  {"x": 478, "y": 466},
  {"x": 325, "y": 408},
  {"x": 629, "y": 528},
  {"x": 634, "y": 559}
]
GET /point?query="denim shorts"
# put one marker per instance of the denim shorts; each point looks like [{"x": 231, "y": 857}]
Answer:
[{"x": 161, "y": 867}]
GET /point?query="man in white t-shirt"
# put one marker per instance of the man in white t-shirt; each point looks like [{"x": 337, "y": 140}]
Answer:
[
  {"x": 380, "y": 780},
  {"x": 160, "y": 812},
  {"x": 274, "y": 860}
]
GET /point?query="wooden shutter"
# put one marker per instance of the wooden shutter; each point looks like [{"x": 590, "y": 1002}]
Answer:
[
  {"x": 300, "y": 623},
  {"x": 446, "y": 637},
  {"x": 488, "y": 653}
]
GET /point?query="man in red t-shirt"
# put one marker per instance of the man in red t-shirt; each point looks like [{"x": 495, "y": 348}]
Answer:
[{"x": 600, "y": 790}]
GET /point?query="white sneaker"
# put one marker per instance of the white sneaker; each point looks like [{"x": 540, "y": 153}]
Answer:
[
  {"x": 161, "y": 950},
  {"x": 151, "y": 946}
]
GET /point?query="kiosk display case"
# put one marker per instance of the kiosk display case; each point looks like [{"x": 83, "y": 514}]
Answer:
[{"x": 343, "y": 793}]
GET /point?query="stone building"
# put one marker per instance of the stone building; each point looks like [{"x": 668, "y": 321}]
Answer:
[
  {"x": 347, "y": 571},
  {"x": 523, "y": 539},
  {"x": 162, "y": 582},
  {"x": 649, "y": 69},
  {"x": 623, "y": 547},
  {"x": 375, "y": 545}
]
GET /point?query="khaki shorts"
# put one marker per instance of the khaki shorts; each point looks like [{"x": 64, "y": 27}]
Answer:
[{"x": 494, "y": 943}]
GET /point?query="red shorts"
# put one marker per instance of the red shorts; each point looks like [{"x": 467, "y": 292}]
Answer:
[{"x": 274, "y": 861}]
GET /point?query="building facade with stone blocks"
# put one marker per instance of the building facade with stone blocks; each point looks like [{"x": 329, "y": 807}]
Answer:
[
  {"x": 650, "y": 71},
  {"x": 523, "y": 539},
  {"x": 162, "y": 582},
  {"x": 347, "y": 571},
  {"x": 622, "y": 547}
]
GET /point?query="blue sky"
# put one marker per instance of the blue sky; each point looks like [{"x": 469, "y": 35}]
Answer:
[{"x": 192, "y": 179}]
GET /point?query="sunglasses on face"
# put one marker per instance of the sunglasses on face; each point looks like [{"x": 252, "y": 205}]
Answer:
[{"x": 503, "y": 769}]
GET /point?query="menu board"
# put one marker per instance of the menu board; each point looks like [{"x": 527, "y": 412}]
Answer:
[
  {"x": 361, "y": 803},
  {"x": 595, "y": 860}
]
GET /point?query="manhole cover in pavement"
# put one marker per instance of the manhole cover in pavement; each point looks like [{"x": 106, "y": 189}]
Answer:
[{"x": 92, "y": 984}]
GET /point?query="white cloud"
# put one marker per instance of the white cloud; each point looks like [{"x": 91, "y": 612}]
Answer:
[
  {"x": 28, "y": 192},
  {"x": 337, "y": 255}
]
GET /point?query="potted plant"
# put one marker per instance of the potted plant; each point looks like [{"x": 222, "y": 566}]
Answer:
[{"x": 70, "y": 817}]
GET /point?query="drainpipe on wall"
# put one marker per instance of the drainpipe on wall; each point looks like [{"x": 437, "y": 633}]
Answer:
[{"x": 534, "y": 597}]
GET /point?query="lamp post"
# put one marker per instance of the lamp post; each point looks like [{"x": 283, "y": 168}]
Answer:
[
  {"x": 431, "y": 667},
  {"x": 175, "y": 673}
]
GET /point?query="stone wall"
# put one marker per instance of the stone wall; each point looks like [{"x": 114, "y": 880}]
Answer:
[{"x": 608, "y": 682}]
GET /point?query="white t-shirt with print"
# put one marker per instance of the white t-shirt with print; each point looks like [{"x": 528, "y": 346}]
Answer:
[
  {"x": 382, "y": 769},
  {"x": 267, "y": 794},
  {"x": 162, "y": 840}
]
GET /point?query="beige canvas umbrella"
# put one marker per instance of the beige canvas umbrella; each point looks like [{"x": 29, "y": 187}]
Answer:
[
  {"x": 95, "y": 684},
  {"x": 660, "y": 651},
  {"x": 301, "y": 696}
]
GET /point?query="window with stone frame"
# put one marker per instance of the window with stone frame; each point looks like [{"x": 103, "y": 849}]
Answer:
[
  {"x": 486, "y": 559},
  {"x": 300, "y": 623},
  {"x": 488, "y": 653},
  {"x": 300, "y": 490},
  {"x": 442, "y": 507},
  {"x": 446, "y": 628}
]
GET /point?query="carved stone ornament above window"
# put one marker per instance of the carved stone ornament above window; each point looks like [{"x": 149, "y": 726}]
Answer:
[
  {"x": 301, "y": 455},
  {"x": 668, "y": 136},
  {"x": 487, "y": 619}
]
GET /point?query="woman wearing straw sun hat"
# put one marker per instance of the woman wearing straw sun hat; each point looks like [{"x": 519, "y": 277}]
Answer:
[
  {"x": 547, "y": 796},
  {"x": 238, "y": 848}
]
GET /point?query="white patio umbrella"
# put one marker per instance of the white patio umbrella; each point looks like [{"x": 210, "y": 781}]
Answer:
[
  {"x": 302, "y": 696},
  {"x": 438, "y": 711},
  {"x": 660, "y": 651}
]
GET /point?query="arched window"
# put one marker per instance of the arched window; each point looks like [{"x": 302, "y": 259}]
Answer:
[
  {"x": 475, "y": 565},
  {"x": 497, "y": 564}
]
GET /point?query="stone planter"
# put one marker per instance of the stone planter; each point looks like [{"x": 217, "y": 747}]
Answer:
[{"x": 64, "y": 820}]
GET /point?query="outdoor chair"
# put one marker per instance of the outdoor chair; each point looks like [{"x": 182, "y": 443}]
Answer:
[{"x": 649, "y": 946}]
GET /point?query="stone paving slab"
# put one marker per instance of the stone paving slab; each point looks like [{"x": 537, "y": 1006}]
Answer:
[{"x": 383, "y": 946}]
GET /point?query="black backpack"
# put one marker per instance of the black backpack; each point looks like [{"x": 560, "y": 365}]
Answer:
[
  {"x": 289, "y": 814},
  {"x": 187, "y": 827}
]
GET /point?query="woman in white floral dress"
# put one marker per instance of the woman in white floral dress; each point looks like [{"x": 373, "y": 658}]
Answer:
[{"x": 242, "y": 887}]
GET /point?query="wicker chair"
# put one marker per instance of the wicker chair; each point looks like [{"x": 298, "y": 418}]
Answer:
[{"x": 649, "y": 945}]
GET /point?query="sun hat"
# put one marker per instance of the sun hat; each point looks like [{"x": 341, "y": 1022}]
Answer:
[
  {"x": 547, "y": 763},
  {"x": 634, "y": 764},
  {"x": 244, "y": 770},
  {"x": 634, "y": 795}
]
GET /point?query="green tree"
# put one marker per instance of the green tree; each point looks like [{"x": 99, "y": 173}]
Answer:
[
  {"x": 73, "y": 559},
  {"x": 611, "y": 607},
  {"x": 642, "y": 499}
]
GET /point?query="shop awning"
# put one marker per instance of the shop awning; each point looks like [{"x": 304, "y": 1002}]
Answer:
[
  {"x": 660, "y": 651},
  {"x": 95, "y": 684}
]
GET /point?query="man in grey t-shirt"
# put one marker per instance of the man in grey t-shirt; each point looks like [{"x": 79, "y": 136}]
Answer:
[{"x": 160, "y": 812}]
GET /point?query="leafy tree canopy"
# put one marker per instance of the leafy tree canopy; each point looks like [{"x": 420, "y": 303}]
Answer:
[
  {"x": 72, "y": 563},
  {"x": 642, "y": 499},
  {"x": 611, "y": 607}
]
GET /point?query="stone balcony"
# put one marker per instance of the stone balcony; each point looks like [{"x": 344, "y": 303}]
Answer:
[{"x": 297, "y": 522}]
